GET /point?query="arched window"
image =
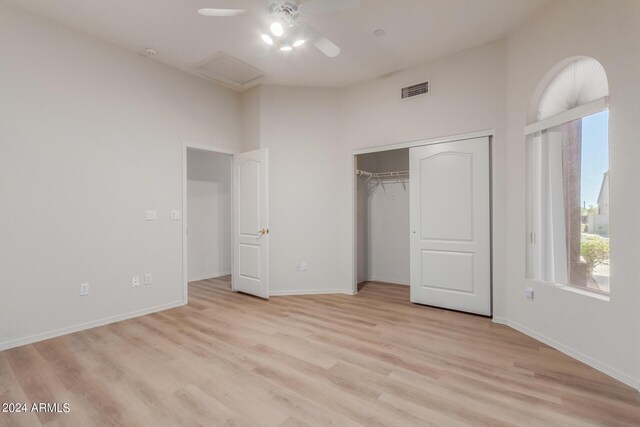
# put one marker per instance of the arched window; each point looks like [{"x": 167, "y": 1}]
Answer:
[
  {"x": 581, "y": 82},
  {"x": 568, "y": 178}
]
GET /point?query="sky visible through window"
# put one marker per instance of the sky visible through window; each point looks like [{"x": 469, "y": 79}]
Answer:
[{"x": 595, "y": 155}]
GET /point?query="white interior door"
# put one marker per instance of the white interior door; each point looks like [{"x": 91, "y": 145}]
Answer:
[
  {"x": 251, "y": 229},
  {"x": 451, "y": 225}
]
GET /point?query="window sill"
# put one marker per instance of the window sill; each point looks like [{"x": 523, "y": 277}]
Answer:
[
  {"x": 575, "y": 289},
  {"x": 585, "y": 291}
]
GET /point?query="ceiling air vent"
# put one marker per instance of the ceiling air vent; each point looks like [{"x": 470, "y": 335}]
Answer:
[{"x": 415, "y": 90}]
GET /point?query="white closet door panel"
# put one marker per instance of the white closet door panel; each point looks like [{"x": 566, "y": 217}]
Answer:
[
  {"x": 447, "y": 205},
  {"x": 451, "y": 225},
  {"x": 249, "y": 197},
  {"x": 447, "y": 270}
]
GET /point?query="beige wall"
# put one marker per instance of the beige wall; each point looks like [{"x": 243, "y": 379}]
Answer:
[
  {"x": 604, "y": 334},
  {"x": 90, "y": 137},
  {"x": 251, "y": 108},
  {"x": 308, "y": 172}
]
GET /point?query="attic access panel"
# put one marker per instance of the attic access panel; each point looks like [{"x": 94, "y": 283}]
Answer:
[{"x": 225, "y": 69}]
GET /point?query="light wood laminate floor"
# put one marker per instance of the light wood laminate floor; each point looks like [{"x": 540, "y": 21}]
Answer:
[{"x": 373, "y": 359}]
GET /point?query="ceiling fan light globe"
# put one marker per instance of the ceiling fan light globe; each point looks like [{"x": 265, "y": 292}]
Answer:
[
  {"x": 298, "y": 43},
  {"x": 277, "y": 29},
  {"x": 286, "y": 48},
  {"x": 267, "y": 39}
]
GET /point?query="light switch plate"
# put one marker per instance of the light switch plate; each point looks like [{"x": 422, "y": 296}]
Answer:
[
  {"x": 135, "y": 281},
  {"x": 528, "y": 293},
  {"x": 84, "y": 289},
  {"x": 150, "y": 215},
  {"x": 148, "y": 279},
  {"x": 175, "y": 215}
]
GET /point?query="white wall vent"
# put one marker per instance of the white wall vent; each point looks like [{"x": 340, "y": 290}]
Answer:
[
  {"x": 415, "y": 90},
  {"x": 227, "y": 70}
]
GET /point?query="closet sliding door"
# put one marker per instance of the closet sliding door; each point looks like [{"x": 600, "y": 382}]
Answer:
[{"x": 451, "y": 225}]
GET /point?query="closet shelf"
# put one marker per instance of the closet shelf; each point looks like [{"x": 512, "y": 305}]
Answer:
[
  {"x": 382, "y": 175},
  {"x": 381, "y": 178}
]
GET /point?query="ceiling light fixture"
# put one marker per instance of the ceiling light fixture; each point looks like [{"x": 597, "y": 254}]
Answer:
[
  {"x": 277, "y": 29},
  {"x": 286, "y": 48},
  {"x": 286, "y": 25}
]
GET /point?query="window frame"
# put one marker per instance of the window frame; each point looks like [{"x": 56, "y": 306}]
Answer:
[
  {"x": 547, "y": 124},
  {"x": 576, "y": 113}
]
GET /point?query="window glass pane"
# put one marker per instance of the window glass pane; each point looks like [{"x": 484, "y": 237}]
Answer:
[
  {"x": 568, "y": 203},
  {"x": 594, "y": 193},
  {"x": 585, "y": 172}
]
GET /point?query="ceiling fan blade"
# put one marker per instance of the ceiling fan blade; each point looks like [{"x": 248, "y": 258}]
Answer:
[
  {"x": 229, "y": 8},
  {"x": 322, "y": 43},
  {"x": 316, "y": 7},
  {"x": 327, "y": 47},
  {"x": 221, "y": 12}
]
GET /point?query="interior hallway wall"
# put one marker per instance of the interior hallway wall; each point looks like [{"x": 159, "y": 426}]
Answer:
[
  {"x": 90, "y": 138},
  {"x": 208, "y": 214}
]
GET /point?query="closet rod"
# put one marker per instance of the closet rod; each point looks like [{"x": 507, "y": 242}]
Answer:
[{"x": 394, "y": 174}]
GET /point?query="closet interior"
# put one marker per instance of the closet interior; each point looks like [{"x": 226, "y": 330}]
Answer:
[{"x": 382, "y": 216}]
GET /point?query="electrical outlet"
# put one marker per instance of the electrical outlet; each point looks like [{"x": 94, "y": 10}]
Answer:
[
  {"x": 148, "y": 279},
  {"x": 175, "y": 215},
  {"x": 302, "y": 266},
  {"x": 135, "y": 281},
  {"x": 84, "y": 289},
  {"x": 528, "y": 293},
  {"x": 150, "y": 215}
]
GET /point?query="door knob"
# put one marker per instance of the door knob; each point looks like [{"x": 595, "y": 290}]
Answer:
[{"x": 263, "y": 231}]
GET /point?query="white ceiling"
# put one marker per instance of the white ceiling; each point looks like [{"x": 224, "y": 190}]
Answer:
[{"x": 416, "y": 31}]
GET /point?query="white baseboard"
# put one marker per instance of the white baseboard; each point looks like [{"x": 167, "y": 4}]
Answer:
[
  {"x": 309, "y": 292},
  {"x": 596, "y": 364},
  {"x": 385, "y": 280},
  {"x": 94, "y": 323},
  {"x": 207, "y": 276}
]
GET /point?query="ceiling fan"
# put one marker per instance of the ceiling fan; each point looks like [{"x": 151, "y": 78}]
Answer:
[{"x": 287, "y": 32}]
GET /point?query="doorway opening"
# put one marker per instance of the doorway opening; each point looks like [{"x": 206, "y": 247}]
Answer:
[
  {"x": 207, "y": 207},
  {"x": 382, "y": 219}
]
